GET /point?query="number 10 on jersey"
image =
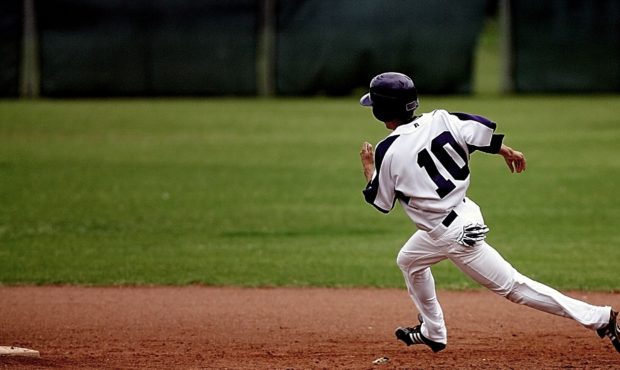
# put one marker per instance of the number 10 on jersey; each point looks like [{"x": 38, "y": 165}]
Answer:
[{"x": 438, "y": 149}]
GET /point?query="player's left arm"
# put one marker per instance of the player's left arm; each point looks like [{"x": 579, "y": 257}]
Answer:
[
  {"x": 367, "y": 156},
  {"x": 514, "y": 158},
  {"x": 380, "y": 188}
]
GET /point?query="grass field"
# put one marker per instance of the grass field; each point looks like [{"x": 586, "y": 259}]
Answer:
[{"x": 267, "y": 192}]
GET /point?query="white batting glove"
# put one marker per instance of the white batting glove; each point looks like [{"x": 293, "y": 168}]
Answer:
[{"x": 472, "y": 234}]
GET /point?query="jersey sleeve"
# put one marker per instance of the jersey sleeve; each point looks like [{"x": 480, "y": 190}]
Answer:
[
  {"x": 478, "y": 132},
  {"x": 380, "y": 191}
]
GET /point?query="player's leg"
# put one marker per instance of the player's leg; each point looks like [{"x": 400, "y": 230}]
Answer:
[
  {"x": 487, "y": 267},
  {"x": 414, "y": 260}
]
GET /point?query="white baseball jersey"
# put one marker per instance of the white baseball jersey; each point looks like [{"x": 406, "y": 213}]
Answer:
[{"x": 424, "y": 164}]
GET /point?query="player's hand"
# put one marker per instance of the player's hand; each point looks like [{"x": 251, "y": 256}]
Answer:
[
  {"x": 367, "y": 156},
  {"x": 514, "y": 159}
]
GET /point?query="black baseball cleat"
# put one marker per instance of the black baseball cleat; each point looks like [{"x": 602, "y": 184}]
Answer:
[
  {"x": 612, "y": 330},
  {"x": 414, "y": 336}
]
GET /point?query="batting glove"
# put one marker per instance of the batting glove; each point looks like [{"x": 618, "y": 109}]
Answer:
[{"x": 472, "y": 234}]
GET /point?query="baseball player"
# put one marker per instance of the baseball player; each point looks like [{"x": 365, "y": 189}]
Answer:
[{"x": 424, "y": 164}]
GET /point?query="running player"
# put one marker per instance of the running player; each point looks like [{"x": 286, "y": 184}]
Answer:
[{"x": 424, "y": 164}]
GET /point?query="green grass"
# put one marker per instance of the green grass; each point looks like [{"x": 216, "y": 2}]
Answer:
[{"x": 267, "y": 192}]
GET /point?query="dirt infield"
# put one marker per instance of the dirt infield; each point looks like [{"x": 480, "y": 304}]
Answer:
[{"x": 235, "y": 328}]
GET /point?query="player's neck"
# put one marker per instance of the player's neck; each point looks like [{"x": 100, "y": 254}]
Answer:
[{"x": 392, "y": 125}]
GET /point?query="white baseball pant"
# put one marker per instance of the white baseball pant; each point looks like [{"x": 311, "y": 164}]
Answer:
[{"x": 487, "y": 267}]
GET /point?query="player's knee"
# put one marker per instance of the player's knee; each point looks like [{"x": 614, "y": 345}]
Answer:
[
  {"x": 513, "y": 292},
  {"x": 508, "y": 289},
  {"x": 403, "y": 260},
  {"x": 503, "y": 291}
]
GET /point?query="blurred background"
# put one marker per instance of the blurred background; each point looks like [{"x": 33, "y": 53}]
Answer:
[{"x": 75, "y": 48}]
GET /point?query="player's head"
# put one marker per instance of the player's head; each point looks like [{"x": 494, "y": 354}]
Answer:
[{"x": 392, "y": 96}]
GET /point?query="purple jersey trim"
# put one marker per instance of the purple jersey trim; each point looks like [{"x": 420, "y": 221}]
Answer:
[
  {"x": 493, "y": 148},
  {"x": 473, "y": 117}
]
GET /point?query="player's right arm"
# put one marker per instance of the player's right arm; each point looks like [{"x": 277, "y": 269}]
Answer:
[
  {"x": 514, "y": 159},
  {"x": 479, "y": 134}
]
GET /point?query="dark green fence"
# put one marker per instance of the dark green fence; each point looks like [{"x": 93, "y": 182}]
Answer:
[
  {"x": 296, "y": 47},
  {"x": 10, "y": 46},
  {"x": 147, "y": 47},
  {"x": 213, "y": 47},
  {"x": 326, "y": 46},
  {"x": 566, "y": 45}
]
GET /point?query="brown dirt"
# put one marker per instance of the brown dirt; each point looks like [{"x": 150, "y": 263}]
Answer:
[{"x": 235, "y": 328}]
